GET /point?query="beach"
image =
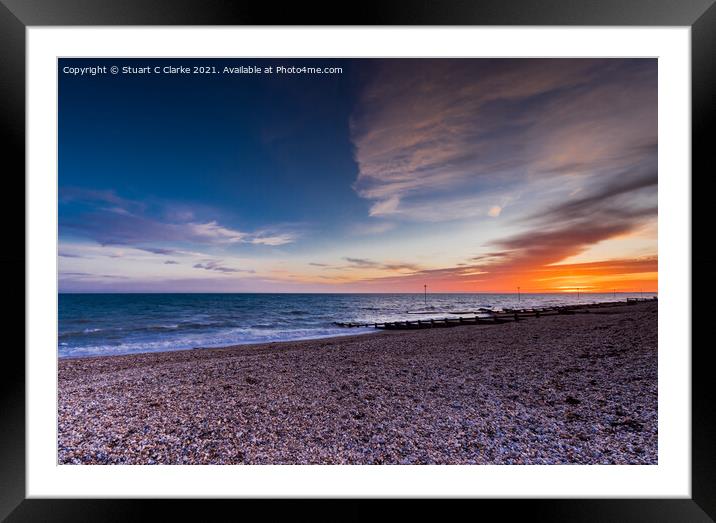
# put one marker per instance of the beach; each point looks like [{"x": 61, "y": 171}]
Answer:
[{"x": 563, "y": 389}]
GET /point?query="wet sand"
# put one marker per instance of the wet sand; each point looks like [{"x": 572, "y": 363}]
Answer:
[{"x": 561, "y": 389}]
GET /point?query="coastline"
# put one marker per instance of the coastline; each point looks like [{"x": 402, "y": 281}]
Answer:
[
  {"x": 338, "y": 329},
  {"x": 559, "y": 389},
  {"x": 236, "y": 346}
]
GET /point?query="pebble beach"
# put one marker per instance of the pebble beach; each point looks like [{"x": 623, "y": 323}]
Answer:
[{"x": 563, "y": 389}]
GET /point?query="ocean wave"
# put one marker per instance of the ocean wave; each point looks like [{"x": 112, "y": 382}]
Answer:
[
  {"x": 118, "y": 324},
  {"x": 79, "y": 334},
  {"x": 243, "y": 336}
]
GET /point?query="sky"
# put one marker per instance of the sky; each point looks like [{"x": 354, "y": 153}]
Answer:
[{"x": 465, "y": 175}]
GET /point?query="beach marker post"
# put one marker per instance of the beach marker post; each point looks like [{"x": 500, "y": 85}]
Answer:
[
  {"x": 518, "y": 295},
  {"x": 425, "y": 289}
]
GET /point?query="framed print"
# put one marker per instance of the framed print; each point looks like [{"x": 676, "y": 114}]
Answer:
[{"x": 387, "y": 256}]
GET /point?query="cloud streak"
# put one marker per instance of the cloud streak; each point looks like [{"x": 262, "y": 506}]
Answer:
[
  {"x": 216, "y": 265},
  {"x": 110, "y": 220},
  {"x": 89, "y": 276},
  {"x": 431, "y": 137},
  {"x": 364, "y": 263}
]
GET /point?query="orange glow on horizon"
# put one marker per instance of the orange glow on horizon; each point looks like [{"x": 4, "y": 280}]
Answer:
[{"x": 627, "y": 275}]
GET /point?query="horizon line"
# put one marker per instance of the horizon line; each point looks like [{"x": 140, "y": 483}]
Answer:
[{"x": 420, "y": 293}]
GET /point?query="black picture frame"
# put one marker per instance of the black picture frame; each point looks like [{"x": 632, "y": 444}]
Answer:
[{"x": 17, "y": 15}]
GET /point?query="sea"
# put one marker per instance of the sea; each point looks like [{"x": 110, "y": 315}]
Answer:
[{"x": 113, "y": 324}]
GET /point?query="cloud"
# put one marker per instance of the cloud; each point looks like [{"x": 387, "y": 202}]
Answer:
[
  {"x": 64, "y": 254},
  {"x": 488, "y": 256},
  {"x": 157, "y": 250},
  {"x": 612, "y": 200},
  {"x": 134, "y": 226},
  {"x": 494, "y": 211},
  {"x": 536, "y": 248},
  {"x": 171, "y": 262},
  {"x": 215, "y": 265},
  {"x": 433, "y": 136},
  {"x": 435, "y": 207},
  {"x": 387, "y": 206},
  {"x": 400, "y": 267},
  {"x": 567, "y": 229},
  {"x": 212, "y": 232},
  {"x": 88, "y": 275},
  {"x": 273, "y": 240},
  {"x": 364, "y": 263}
]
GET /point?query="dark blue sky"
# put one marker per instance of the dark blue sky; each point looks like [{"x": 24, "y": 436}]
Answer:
[{"x": 249, "y": 146}]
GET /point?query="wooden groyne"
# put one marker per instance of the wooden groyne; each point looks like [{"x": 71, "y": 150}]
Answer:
[{"x": 492, "y": 318}]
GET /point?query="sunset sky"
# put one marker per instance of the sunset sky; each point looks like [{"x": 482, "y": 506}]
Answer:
[{"x": 466, "y": 175}]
